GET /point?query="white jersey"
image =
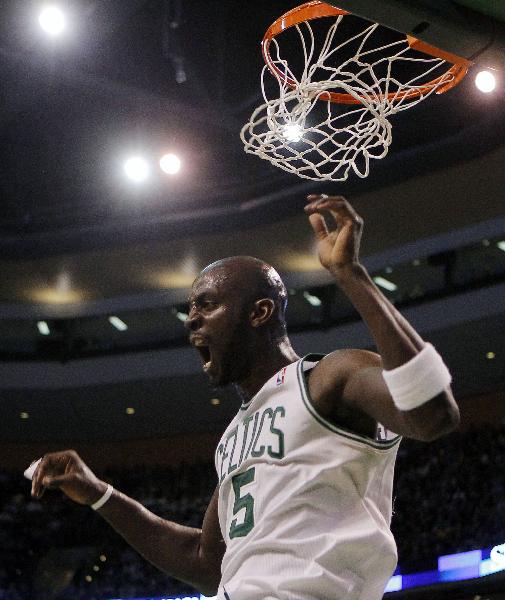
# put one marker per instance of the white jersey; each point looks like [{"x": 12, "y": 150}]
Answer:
[{"x": 304, "y": 506}]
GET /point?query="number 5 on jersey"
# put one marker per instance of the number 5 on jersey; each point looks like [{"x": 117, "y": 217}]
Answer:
[{"x": 246, "y": 501}]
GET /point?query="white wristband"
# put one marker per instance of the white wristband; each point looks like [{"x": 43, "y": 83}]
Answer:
[
  {"x": 418, "y": 380},
  {"x": 101, "y": 501}
]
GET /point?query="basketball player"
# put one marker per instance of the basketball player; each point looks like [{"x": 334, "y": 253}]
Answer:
[{"x": 305, "y": 470}]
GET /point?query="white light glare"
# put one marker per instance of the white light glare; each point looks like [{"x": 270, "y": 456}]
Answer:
[
  {"x": 52, "y": 20},
  {"x": 292, "y": 132},
  {"x": 119, "y": 324},
  {"x": 170, "y": 164},
  {"x": 385, "y": 283},
  {"x": 136, "y": 168},
  {"x": 311, "y": 299},
  {"x": 485, "y": 81},
  {"x": 181, "y": 316},
  {"x": 43, "y": 328},
  {"x": 501, "y": 245}
]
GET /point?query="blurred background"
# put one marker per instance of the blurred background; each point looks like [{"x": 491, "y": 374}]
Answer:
[{"x": 100, "y": 241}]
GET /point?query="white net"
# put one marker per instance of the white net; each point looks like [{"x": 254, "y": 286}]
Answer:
[{"x": 309, "y": 127}]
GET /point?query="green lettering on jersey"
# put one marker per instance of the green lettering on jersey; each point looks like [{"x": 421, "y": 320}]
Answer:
[
  {"x": 218, "y": 458},
  {"x": 245, "y": 423},
  {"x": 225, "y": 454},
  {"x": 257, "y": 452},
  {"x": 279, "y": 433},
  {"x": 242, "y": 502},
  {"x": 256, "y": 416},
  {"x": 233, "y": 434}
]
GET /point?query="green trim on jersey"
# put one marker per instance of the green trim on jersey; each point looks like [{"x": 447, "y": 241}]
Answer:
[{"x": 323, "y": 421}]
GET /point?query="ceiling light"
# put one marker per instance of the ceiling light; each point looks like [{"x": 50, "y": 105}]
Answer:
[
  {"x": 311, "y": 299},
  {"x": 292, "y": 132},
  {"x": 137, "y": 169},
  {"x": 52, "y": 20},
  {"x": 385, "y": 283},
  {"x": 130, "y": 410},
  {"x": 43, "y": 328},
  {"x": 118, "y": 323},
  {"x": 215, "y": 401},
  {"x": 55, "y": 296},
  {"x": 170, "y": 164},
  {"x": 485, "y": 81},
  {"x": 96, "y": 568},
  {"x": 102, "y": 557},
  {"x": 24, "y": 415},
  {"x": 490, "y": 355},
  {"x": 501, "y": 245},
  {"x": 172, "y": 279},
  {"x": 63, "y": 282}
]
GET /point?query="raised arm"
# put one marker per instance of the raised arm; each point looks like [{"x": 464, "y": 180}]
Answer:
[
  {"x": 188, "y": 554},
  {"x": 356, "y": 377}
]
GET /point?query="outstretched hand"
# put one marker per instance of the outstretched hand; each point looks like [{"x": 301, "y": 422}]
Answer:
[
  {"x": 338, "y": 248},
  {"x": 69, "y": 473}
]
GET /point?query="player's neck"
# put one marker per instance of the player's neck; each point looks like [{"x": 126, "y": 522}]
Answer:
[{"x": 268, "y": 360}]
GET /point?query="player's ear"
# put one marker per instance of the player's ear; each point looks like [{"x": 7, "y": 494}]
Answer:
[{"x": 262, "y": 311}]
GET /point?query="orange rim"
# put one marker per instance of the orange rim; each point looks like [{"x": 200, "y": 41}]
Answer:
[{"x": 316, "y": 10}]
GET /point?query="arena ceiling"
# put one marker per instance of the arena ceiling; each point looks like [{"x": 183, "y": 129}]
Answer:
[{"x": 78, "y": 240}]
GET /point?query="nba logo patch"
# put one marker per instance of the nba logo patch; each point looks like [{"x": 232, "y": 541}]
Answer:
[
  {"x": 384, "y": 435},
  {"x": 280, "y": 376}
]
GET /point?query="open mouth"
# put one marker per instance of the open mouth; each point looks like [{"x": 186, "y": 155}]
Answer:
[{"x": 204, "y": 351}]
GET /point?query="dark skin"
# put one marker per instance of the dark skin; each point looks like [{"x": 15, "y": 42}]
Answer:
[
  {"x": 241, "y": 340},
  {"x": 219, "y": 303}
]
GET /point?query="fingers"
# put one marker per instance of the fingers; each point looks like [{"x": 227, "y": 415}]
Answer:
[
  {"x": 338, "y": 206},
  {"x": 318, "y": 225},
  {"x": 56, "y": 482},
  {"x": 38, "y": 475},
  {"x": 50, "y": 466}
]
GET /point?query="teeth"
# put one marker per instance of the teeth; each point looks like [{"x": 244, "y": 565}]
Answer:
[{"x": 206, "y": 365}]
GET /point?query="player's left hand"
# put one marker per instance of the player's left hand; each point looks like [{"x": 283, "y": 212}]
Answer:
[{"x": 338, "y": 248}]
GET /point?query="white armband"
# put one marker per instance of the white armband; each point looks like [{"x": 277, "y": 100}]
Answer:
[
  {"x": 418, "y": 380},
  {"x": 103, "y": 499}
]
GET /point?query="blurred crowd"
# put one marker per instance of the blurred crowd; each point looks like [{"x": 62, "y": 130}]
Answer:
[{"x": 449, "y": 497}]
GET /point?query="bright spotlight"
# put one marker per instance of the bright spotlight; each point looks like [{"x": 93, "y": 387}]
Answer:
[
  {"x": 52, "y": 20},
  {"x": 43, "y": 328},
  {"x": 136, "y": 168},
  {"x": 485, "y": 81},
  {"x": 292, "y": 132},
  {"x": 170, "y": 164}
]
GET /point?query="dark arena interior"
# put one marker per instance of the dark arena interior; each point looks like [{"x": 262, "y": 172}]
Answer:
[{"x": 100, "y": 245}]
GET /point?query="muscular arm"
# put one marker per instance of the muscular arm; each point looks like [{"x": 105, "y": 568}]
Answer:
[
  {"x": 188, "y": 554},
  {"x": 355, "y": 377},
  {"x": 347, "y": 387}
]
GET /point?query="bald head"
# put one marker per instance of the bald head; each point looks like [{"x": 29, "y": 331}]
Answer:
[{"x": 251, "y": 279}]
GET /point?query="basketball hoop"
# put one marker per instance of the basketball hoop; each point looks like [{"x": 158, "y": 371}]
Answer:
[{"x": 331, "y": 110}]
